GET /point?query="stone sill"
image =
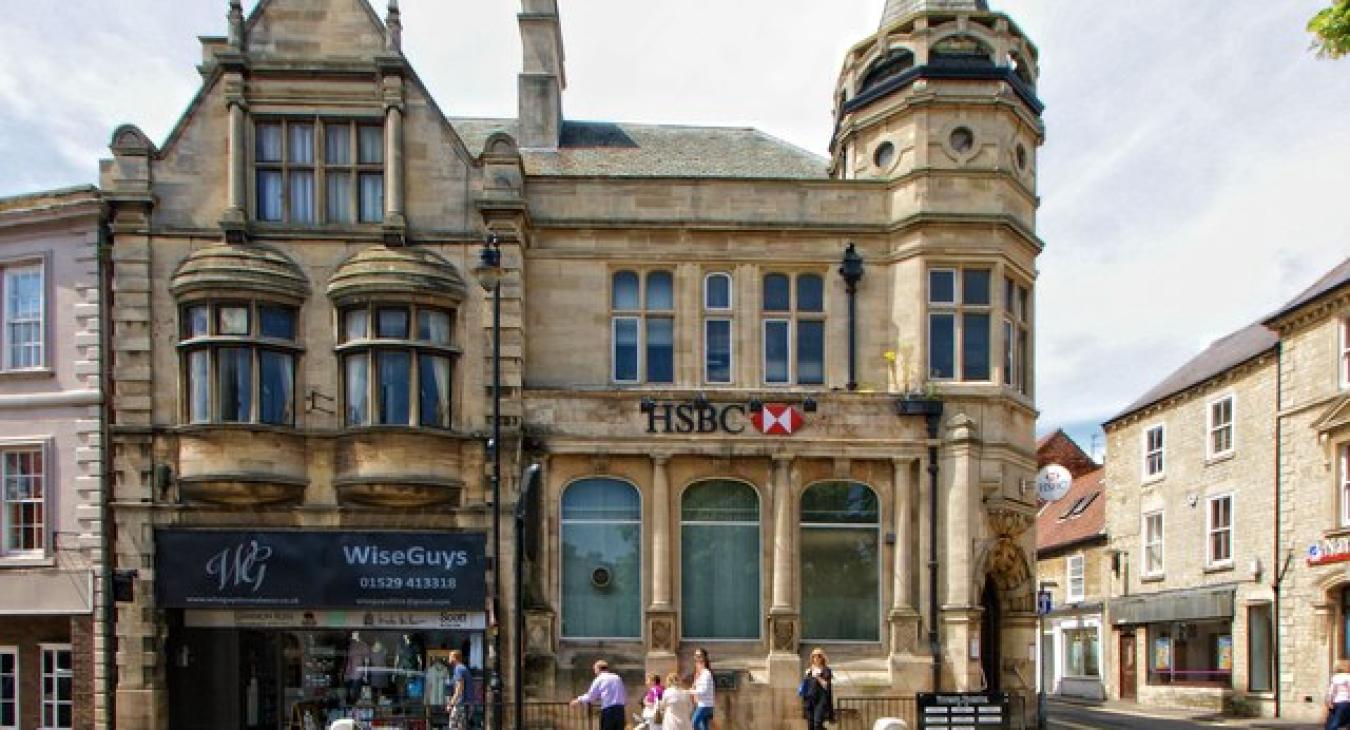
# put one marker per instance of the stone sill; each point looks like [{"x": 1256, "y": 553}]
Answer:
[
  {"x": 28, "y": 374},
  {"x": 1228, "y": 455},
  {"x": 1227, "y": 567},
  {"x": 1160, "y": 577}
]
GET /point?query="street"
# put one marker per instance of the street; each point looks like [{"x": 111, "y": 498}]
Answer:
[{"x": 1064, "y": 716}]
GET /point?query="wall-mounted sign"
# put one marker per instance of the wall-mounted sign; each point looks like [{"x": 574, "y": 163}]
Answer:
[
  {"x": 1053, "y": 482},
  {"x": 1332, "y": 550},
  {"x": 772, "y": 419},
  {"x": 334, "y": 619},
  {"x": 260, "y": 569},
  {"x": 963, "y": 710}
]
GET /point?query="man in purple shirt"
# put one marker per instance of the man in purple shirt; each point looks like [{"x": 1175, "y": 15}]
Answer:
[{"x": 606, "y": 691}]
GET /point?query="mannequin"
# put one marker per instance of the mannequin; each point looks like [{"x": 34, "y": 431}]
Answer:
[
  {"x": 438, "y": 675},
  {"x": 408, "y": 662},
  {"x": 358, "y": 663},
  {"x": 378, "y": 673}
]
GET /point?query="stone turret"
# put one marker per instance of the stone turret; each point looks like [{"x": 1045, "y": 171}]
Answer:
[{"x": 897, "y": 9}]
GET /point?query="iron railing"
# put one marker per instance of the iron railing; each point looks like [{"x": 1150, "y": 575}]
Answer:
[{"x": 552, "y": 716}]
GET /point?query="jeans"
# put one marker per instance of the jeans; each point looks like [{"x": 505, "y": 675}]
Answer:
[
  {"x": 702, "y": 718},
  {"x": 1338, "y": 716},
  {"x": 611, "y": 718}
]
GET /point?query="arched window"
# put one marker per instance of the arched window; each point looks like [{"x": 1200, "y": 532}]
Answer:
[
  {"x": 719, "y": 561},
  {"x": 894, "y": 63},
  {"x": 718, "y": 351},
  {"x": 841, "y": 563},
  {"x": 601, "y": 560}
]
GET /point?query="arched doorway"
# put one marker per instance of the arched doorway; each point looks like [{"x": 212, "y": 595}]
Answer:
[{"x": 991, "y": 636}]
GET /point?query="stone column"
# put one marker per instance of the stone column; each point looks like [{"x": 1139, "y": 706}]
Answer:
[
  {"x": 393, "y": 167},
  {"x": 234, "y": 220},
  {"x": 661, "y": 634},
  {"x": 784, "y": 664},
  {"x": 960, "y": 617},
  {"x": 908, "y": 668}
]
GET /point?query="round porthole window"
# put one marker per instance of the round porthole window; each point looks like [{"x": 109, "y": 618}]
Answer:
[
  {"x": 962, "y": 140},
  {"x": 884, "y": 155},
  {"x": 602, "y": 577},
  {"x": 1021, "y": 154}
]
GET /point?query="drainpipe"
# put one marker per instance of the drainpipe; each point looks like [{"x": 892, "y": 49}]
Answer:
[
  {"x": 109, "y": 606},
  {"x": 1279, "y": 576},
  {"x": 934, "y": 638}
]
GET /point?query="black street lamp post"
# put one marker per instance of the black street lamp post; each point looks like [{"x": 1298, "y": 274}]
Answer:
[
  {"x": 489, "y": 273},
  {"x": 852, "y": 270}
]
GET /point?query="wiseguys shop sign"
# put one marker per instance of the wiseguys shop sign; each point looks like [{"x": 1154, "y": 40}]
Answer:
[{"x": 771, "y": 419}]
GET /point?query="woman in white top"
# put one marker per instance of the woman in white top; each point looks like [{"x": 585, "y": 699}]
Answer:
[
  {"x": 1338, "y": 696},
  {"x": 704, "y": 694},
  {"x": 676, "y": 705}
]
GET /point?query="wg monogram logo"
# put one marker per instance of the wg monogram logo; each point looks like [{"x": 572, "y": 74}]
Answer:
[{"x": 243, "y": 565}]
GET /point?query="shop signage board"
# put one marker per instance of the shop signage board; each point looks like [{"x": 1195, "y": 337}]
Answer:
[
  {"x": 335, "y": 619},
  {"x": 772, "y": 419},
  {"x": 275, "y": 569},
  {"x": 1332, "y": 550},
  {"x": 964, "y": 710}
]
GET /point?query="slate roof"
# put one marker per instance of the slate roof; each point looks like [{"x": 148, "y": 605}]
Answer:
[
  {"x": 1223, "y": 354},
  {"x": 1056, "y": 526},
  {"x": 1334, "y": 279},
  {"x": 620, "y": 149}
]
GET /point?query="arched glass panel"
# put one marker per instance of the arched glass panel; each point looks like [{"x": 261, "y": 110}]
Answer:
[
  {"x": 777, "y": 293},
  {"x": 625, "y": 290},
  {"x": 719, "y": 560},
  {"x": 810, "y": 293},
  {"x": 601, "y": 560},
  {"x": 841, "y": 563},
  {"x": 960, "y": 50},
  {"x": 893, "y": 64},
  {"x": 660, "y": 292},
  {"x": 717, "y": 291}
]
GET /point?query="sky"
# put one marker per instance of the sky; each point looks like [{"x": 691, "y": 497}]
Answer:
[{"x": 1193, "y": 178}]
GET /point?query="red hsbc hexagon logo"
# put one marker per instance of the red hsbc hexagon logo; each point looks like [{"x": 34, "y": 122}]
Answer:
[{"x": 777, "y": 419}]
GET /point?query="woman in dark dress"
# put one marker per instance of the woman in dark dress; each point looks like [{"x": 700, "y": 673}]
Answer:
[{"x": 818, "y": 702}]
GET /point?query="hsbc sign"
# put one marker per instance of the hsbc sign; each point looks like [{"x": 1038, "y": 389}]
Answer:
[{"x": 772, "y": 419}]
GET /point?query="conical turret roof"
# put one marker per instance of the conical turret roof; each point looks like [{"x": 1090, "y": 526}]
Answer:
[{"x": 897, "y": 9}]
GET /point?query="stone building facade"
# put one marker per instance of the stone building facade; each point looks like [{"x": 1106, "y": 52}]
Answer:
[
  {"x": 52, "y": 627},
  {"x": 1226, "y": 486},
  {"x": 1073, "y": 563},
  {"x": 740, "y": 445}
]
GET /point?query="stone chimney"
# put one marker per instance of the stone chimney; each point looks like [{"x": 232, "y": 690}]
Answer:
[{"x": 542, "y": 78}]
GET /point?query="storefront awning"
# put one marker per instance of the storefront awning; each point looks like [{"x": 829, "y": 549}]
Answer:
[{"x": 1187, "y": 605}]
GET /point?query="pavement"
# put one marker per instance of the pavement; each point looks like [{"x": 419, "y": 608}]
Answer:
[{"x": 1064, "y": 710}]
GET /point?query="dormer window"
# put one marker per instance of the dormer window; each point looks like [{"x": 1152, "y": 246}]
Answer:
[{"x": 312, "y": 171}]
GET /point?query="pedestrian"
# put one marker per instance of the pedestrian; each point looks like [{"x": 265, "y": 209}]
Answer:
[
  {"x": 1338, "y": 696},
  {"x": 461, "y": 690},
  {"x": 651, "y": 703},
  {"x": 608, "y": 693},
  {"x": 676, "y": 704},
  {"x": 818, "y": 699},
  {"x": 705, "y": 698}
]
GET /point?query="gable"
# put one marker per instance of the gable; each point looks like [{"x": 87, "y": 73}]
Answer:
[{"x": 314, "y": 29}]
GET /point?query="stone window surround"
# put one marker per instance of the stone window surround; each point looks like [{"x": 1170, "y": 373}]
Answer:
[
  {"x": 45, "y": 445},
  {"x": 319, "y": 167},
  {"x": 680, "y": 524},
  {"x": 641, "y": 550},
  {"x": 1211, "y": 531},
  {"x": 1212, "y": 428},
  {"x": 712, "y": 314},
  {"x": 1150, "y": 475},
  {"x": 1017, "y": 311},
  {"x": 792, "y": 316},
  {"x": 372, "y": 344},
  {"x": 641, "y": 314},
  {"x": 41, "y": 260},
  {"x": 958, "y": 308}
]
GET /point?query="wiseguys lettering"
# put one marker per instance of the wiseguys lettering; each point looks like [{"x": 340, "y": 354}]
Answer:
[{"x": 415, "y": 556}]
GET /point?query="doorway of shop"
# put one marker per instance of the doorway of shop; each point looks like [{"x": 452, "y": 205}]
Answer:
[
  {"x": 991, "y": 637},
  {"x": 1129, "y": 675}
]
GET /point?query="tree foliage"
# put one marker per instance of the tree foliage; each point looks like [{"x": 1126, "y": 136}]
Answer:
[{"x": 1331, "y": 30}]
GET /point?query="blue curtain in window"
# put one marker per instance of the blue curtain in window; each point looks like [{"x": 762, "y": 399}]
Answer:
[
  {"x": 841, "y": 563},
  {"x": 719, "y": 561},
  {"x": 601, "y": 560}
]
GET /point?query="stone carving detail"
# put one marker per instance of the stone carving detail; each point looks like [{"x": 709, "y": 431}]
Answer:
[
  {"x": 784, "y": 634},
  {"x": 1006, "y": 565},
  {"x": 661, "y": 634}
]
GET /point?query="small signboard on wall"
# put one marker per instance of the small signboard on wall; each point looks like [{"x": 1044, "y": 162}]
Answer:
[{"x": 964, "y": 710}]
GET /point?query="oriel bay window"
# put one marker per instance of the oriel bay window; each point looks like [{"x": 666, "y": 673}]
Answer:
[
  {"x": 239, "y": 362},
  {"x": 601, "y": 540},
  {"x": 794, "y": 329},
  {"x": 642, "y": 317},
  {"x": 318, "y": 171},
  {"x": 958, "y": 324},
  {"x": 719, "y": 560},
  {"x": 1016, "y": 336},
  {"x": 397, "y": 362},
  {"x": 841, "y": 563}
]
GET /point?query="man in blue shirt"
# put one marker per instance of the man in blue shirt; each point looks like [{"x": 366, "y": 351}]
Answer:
[
  {"x": 461, "y": 692},
  {"x": 607, "y": 691}
]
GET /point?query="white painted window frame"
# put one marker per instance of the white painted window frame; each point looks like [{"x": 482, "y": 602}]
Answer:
[
  {"x": 11, "y": 269},
  {"x": 55, "y": 701},
  {"x": 1070, "y": 596},
  {"x": 720, "y": 314},
  {"x": 1344, "y": 359},
  {"x": 1343, "y": 488},
  {"x": 1210, "y": 530},
  {"x": 1212, "y": 428},
  {"x": 1147, "y": 543},
  {"x": 1160, "y": 452},
  {"x": 18, "y": 694},
  {"x": 42, "y": 446},
  {"x": 791, "y": 348}
]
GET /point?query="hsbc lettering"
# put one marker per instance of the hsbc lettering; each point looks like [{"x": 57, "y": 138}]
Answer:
[{"x": 771, "y": 419}]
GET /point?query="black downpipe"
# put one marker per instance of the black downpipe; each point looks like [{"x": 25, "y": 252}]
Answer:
[
  {"x": 109, "y": 606},
  {"x": 934, "y": 638},
  {"x": 1275, "y": 559}
]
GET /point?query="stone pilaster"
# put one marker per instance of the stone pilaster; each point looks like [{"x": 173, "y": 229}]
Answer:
[
  {"x": 906, "y": 667},
  {"x": 784, "y": 618},
  {"x": 662, "y": 639}
]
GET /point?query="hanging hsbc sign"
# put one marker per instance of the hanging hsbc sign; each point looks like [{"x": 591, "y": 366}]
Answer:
[{"x": 772, "y": 419}]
